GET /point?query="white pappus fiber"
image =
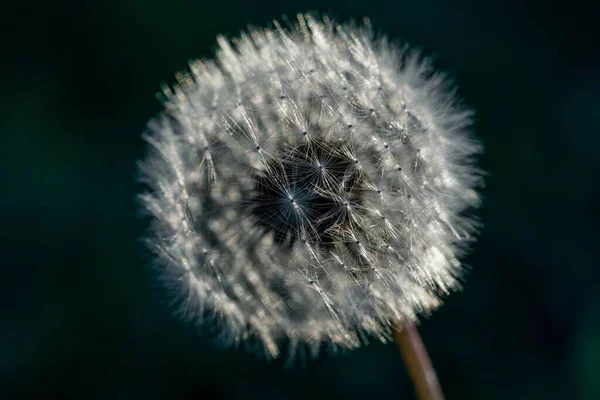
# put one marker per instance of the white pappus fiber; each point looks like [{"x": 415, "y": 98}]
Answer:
[{"x": 311, "y": 185}]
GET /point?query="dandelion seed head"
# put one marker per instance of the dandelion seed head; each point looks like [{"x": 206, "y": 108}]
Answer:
[{"x": 310, "y": 185}]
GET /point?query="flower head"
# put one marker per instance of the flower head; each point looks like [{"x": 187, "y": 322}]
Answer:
[{"x": 313, "y": 184}]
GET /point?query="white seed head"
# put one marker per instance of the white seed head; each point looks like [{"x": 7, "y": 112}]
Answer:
[{"x": 311, "y": 185}]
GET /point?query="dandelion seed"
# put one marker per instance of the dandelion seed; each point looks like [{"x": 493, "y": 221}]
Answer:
[{"x": 311, "y": 185}]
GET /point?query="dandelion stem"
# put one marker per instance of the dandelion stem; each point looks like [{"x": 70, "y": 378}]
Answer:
[{"x": 427, "y": 385}]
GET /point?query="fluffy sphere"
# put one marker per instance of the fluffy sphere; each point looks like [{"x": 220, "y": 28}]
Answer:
[{"x": 311, "y": 185}]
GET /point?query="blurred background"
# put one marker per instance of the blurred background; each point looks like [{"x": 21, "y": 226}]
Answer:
[{"x": 80, "y": 316}]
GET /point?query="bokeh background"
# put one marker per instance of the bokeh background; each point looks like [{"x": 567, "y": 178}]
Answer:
[{"x": 80, "y": 316}]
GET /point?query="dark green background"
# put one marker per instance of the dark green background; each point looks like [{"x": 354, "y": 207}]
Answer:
[{"x": 80, "y": 315}]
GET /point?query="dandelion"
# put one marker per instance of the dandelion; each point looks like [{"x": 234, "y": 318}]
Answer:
[{"x": 310, "y": 186}]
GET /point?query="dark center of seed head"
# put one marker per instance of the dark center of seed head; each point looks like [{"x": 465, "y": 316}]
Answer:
[{"x": 305, "y": 193}]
